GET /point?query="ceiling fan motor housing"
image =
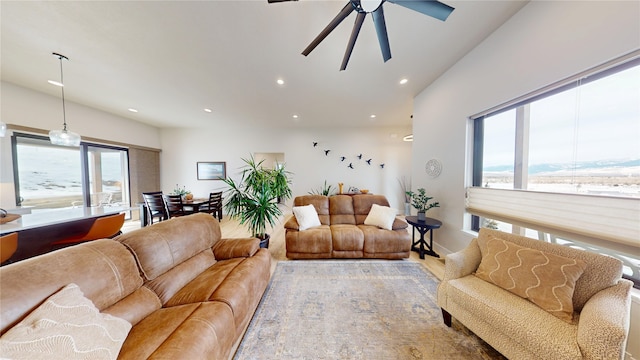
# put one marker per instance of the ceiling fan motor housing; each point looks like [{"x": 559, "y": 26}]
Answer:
[{"x": 366, "y": 6}]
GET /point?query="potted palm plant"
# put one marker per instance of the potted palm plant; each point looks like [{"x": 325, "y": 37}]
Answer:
[
  {"x": 253, "y": 200},
  {"x": 420, "y": 201}
]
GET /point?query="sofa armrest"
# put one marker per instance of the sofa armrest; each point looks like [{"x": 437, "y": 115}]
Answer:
[
  {"x": 604, "y": 322},
  {"x": 463, "y": 262},
  {"x": 233, "y": 248},
  {"x": 399, "y": 224},
  {"x": 292, "y": 223}
]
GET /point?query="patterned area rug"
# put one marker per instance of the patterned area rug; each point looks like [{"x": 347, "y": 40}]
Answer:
[{"x": 367, "y": 309}]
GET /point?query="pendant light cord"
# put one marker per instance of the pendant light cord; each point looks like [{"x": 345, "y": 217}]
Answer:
[{"x": 64, "y": 113}]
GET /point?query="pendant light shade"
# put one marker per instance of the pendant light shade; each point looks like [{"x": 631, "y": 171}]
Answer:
[{"x": 63, "y": 137}]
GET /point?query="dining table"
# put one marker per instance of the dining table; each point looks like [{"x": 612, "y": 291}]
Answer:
[
  {"x": 193, "y": 205},
  {"x": 188, "y": 206}
]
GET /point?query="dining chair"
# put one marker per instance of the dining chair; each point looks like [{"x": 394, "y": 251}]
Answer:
[
  {"x": 8, "y": 246},
  {"x": 214, "y": 206},
  {"x": 102, "y": 228},
  {"x": 173, "y": 206},
  {"x": 154, "y": 202}
]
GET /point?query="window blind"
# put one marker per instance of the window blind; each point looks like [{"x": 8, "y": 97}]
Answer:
[{"x": 588, "y": 218}]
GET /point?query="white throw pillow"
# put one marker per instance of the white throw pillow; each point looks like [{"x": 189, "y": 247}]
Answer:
[
  {"x": 307, "y": 216},
  {"x": 66, "y": 326},
  {"x": 381, "y": 216}
]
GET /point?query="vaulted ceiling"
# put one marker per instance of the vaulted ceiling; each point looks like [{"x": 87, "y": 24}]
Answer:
[{"x": 170, "y": 60}]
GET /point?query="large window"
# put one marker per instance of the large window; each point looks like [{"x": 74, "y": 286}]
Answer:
[
  {"x": 50, "y": 176},
  {"x": 579, "y": 141},
  {"x": 584, "y": 140}
]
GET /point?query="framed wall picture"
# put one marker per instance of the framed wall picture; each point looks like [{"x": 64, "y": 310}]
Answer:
[{"x": 212, "y": 170}]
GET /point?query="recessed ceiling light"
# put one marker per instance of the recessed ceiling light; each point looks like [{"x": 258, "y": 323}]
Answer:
[
  {"x": 280, "y": 82},
  {"x": 207, "y": 110},
  {"x": 56, "y": 83},
  {"x": 408, "y": 138},
  {"x": 373, "y": 116},
  {"x": 133, "y": 110},
  {"x": 295, "y": 116},
  {"x": 404, "y": 81}
]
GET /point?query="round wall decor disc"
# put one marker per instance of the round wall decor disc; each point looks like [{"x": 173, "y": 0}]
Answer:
[{"x": 433, "y": 168}]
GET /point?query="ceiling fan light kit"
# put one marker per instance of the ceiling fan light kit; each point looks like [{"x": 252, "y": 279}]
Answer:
[{"x": 431, "y": 8}]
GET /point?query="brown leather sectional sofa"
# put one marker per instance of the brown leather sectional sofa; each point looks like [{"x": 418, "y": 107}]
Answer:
[
  {"x": 343, "y": 233},
  {"x": 188, "y": 293}
]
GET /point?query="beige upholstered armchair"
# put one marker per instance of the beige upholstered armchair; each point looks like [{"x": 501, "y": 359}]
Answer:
[{"x": 497, "y": 288}]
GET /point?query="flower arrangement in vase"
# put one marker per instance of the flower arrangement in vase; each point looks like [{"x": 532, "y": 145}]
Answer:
[{"x": 186, "y": 194}]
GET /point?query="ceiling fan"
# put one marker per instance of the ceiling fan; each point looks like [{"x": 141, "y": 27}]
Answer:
[{"x": 431, "y": 8}]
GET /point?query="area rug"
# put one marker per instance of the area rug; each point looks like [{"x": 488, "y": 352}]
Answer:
[{"x": 367, "y": 309}]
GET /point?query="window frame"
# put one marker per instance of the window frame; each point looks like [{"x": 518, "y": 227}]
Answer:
[
  {"x": 477, "y": 157},
  {"x": 83, "y": 151}
]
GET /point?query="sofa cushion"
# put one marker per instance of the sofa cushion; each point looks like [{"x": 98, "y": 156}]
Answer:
[
  {"x": 67, "y": 325},
  {"x": 306, "y": 216},
  {"x": 341, "y": 210},
  {"x": 312, "y": 241},
  {"x": 381, "y": 216},
  {"x": 348, "y": 241},
  {"x": 135, "y": 307},
  {"x": 506, "y": 320},
  {"x": 192, "y": 331},
  {"x": 104, "y": 270},
  {"x": 169, "y": 283},
  {"x": 320, "y": 202},
  {"x": 387, "y": 244},
  {"x": 162, "y": 246},
  {"x": 545, "y": 279},
  {"x": 237, "y": 282}
]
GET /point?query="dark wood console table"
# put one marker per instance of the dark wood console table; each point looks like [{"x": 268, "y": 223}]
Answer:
[{"x": 426, "y": 226}]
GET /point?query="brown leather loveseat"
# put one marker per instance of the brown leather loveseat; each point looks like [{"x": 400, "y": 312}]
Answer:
[
  {"x": 342, "y": 233},
  {"x": 188, "y": 293}
]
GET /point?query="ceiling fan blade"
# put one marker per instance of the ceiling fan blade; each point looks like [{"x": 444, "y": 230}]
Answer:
[
  {"x": 432, "y": 8},
  {"x": 352, "y": 40},
  {"x": 381, "y": 30},
  {"x": 277, "y": 1},
  {"x": 332, "y": 25}
]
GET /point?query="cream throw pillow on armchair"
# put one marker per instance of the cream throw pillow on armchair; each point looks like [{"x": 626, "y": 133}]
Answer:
[{"x": 545, "y": 279}]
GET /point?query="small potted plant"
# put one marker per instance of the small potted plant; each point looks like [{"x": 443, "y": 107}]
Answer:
[
  {"x": 420, "y": 201},
  {"x": 254, "y": 198}
]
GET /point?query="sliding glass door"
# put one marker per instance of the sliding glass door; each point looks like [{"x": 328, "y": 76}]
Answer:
[
  {"x": 49, "y": 176},
  {"x": 108, "y": 175}
]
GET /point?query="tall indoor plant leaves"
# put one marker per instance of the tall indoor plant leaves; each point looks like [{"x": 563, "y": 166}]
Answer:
[{"x": 254, "y": 199}]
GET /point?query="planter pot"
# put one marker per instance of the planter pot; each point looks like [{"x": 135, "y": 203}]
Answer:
[
  {"x": 264, "y": 243},
  {"x": 407, "y": 209},
  {"x": 422, "y": 216}
]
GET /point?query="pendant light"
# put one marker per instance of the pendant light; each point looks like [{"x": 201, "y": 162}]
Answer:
[{"x": 63, "y": 137}]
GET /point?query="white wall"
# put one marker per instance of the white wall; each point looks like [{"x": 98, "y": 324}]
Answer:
[
  {"x": 182, "y": 148},
  {"x": 545, "y": 42},
  {"x": 24, "y": 107}
]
